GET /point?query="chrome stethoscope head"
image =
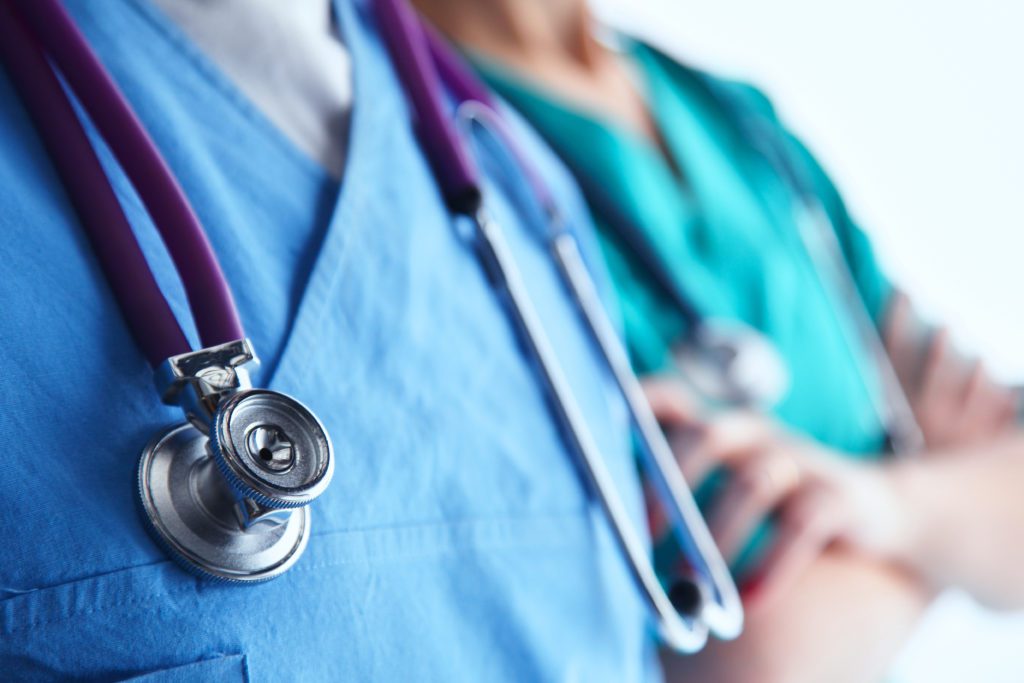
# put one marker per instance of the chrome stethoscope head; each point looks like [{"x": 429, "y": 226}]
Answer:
[
  {"x": 227, "y": 492},
  {"x": 729, "y": 363}
]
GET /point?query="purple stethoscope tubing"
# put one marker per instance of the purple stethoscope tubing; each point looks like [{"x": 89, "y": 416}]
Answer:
[
  {"x": 451, "y": 166},
  {"x": 151, "y": 320},
  {"x": 214, "y": 313}
]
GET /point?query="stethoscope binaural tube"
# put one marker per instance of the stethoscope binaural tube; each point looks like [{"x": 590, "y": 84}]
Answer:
[
  {"x": 822, "y": 247},
  {"x": 421, "y": 66},
  {"x": 226, "y": 493},
  {"x": 727, "y": 362},
  {"x": 707, "y": 589}
]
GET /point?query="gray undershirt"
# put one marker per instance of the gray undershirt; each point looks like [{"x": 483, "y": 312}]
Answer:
[{"x": 287, "y": 58}]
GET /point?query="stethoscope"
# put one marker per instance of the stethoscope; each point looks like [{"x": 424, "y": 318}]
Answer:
[
  {"x": 227, "y": 491},
  {"x": 730, "y": 363},
  {"x": 820, "y": 242},
  {"x": 727, "y": 362}
]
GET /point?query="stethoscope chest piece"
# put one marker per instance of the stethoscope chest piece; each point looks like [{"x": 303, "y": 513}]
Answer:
[
  {"x": 192, "y": 512},
  {"x": 271, "y": 449},
  {"x": 730, "y": 363},
  {"x": 228, "y": 497}
]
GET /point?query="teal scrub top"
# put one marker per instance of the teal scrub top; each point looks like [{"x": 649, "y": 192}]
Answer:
[
  {"x": 457, "y": 542},
  {"x": 724, "y": 225}
]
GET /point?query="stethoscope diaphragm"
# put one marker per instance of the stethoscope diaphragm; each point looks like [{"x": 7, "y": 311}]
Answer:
[{"x": 730, "y": 363}]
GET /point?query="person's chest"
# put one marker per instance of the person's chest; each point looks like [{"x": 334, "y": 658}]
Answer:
[
  {"x": 363, "y": 302},
  {"x": 727, "y": 229}
]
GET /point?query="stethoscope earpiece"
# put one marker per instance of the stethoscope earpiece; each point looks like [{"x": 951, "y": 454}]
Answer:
[{"x": 687, "y": 597}]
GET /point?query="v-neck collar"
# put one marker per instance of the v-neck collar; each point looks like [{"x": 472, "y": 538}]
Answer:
[
  {"x": 296, "y": 342},
  {"x": 354, "y": 195},
  {"x": 606, "y": 156}
]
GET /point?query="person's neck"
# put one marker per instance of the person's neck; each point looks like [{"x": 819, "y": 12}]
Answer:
[
  {"x": 519, "y": 32},
  {"x": 549, "y": 42}
]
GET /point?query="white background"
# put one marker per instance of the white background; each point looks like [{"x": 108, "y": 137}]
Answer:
[{"x": 917, "y": 109}]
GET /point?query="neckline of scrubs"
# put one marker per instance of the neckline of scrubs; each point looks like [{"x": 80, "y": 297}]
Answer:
[
  {"x": 661, "y": 197},
  {"x": 352, "y": 195}
]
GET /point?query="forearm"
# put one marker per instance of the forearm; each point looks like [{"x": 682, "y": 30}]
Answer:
[
  {"x": 843, "y": 621},
  {"x": 966, "y": 520}
]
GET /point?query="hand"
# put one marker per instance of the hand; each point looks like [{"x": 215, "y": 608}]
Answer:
[{"x": 816, "y": 497}]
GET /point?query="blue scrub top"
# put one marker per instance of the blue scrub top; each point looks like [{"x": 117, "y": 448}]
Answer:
[{"x": 457, "y": 540}]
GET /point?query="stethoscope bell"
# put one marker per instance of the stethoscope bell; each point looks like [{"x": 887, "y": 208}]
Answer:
[
  {"x": 232, "y": 504},
  {"x": 732, "y": 364}
]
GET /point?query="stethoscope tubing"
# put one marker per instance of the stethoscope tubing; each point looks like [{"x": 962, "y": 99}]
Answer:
[
  {"x": 420, "y": 62},
  {"x": 453, "y": 170},
  {"x": 150, "y": 318},
  {"x": 723, "y": 615},
  {"x": 210, "y": 300},
  {"x": 685, "y": 636}
]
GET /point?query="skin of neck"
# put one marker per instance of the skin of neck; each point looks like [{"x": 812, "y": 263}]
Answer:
[
  {"x": 550, "y": 43},
  {"x": 518, "y": 32}
]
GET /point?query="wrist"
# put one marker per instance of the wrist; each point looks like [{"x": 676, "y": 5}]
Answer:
[{"x": 914, "y": 518}]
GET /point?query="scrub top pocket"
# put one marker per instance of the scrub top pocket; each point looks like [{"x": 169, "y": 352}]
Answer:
[
  {"x": 227, "y": 669},
  {"x": 402, "y": 581}
]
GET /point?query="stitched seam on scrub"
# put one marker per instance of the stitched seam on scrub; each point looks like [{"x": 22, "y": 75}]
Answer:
[{"x": 485, "y": 535}]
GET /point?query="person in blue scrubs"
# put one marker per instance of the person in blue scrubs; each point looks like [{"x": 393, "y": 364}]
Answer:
[
  {"x": 859, "y": 540},
  {"x": 457, "y": 540}
]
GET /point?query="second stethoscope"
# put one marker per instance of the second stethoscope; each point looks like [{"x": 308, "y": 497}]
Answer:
[{"x": 821, "y": 244}]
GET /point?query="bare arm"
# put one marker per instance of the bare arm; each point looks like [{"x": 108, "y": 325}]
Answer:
[
  {"x": 844, "y": 620},
  {"x": 965, "y": 519},
  {"x": 953, "y": 397},
  {"x": 954, "y": 517}
]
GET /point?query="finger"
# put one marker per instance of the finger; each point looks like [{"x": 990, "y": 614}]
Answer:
[
  {"x": 695, "y": 463},
  {"x": 986, "y": 405},
  {"x": 671, "y": 402},
  {"x": 729, "y": 438},
  {"x": 1009, "y": 410},
  {"x": 753, "y": 491},
  {"x": 805, "y": 527},
  {"x": 941, "y": 390},
  {"x": 979, "y": 408},
  {"x": 902, "y": 340},
  {"x": 684, "y": 442},
  {"x": 943, "y": 376}
]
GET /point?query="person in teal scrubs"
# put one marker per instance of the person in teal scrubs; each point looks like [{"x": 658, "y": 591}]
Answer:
[{"x": 659, "y": 144}]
